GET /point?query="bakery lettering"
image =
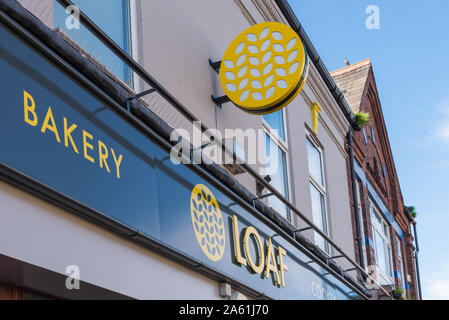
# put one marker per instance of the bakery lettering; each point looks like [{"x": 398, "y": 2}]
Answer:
[{"x": 94, "y": 151}]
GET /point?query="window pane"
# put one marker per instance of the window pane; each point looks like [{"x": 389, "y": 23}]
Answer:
[
  {"x": 112, "y": 17},
  {"x": 277, "y": 169},
  {"x": 377, "y": 221},
  {"x": 401, "y": 267},
  {"x": 357, "y": 193},
  {"x": 401, "y": 270},
  {"x": 382, "y": 247},
  {"x": 314, "y": 158},
  {"x": 276, "y": 122},
  {"x": 389, "y": 261},
  {"x": 380, "y": 253},
  {"x": 319, "y": 216},
  {"x": 398, "y": 248}
]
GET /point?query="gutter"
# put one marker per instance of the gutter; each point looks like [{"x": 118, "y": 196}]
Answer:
[
  {"x": 315, "y": 58},
  {"x": 415, "y": 251},
  {"x": 358, "y": 219},
  {"x": 418, "y": 277}
]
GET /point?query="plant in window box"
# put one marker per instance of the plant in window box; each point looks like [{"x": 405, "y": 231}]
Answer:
[
  {"x": 413, "y": 212},
  {"x": 362, "y": 118},
  {"x": 397, "y": 293}
]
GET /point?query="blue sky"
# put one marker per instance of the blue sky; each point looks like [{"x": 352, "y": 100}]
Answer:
[{"x": 409, "y": 54}]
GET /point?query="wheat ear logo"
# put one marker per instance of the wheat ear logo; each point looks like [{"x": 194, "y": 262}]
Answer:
[
  {"x": 264, "y": 68},
  {"x": 207, "y": 222}
]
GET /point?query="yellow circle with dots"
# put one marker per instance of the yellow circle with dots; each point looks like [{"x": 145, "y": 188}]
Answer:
[
  {"x": 264, "y": 68},
  {"x": 207, "y": 222}
]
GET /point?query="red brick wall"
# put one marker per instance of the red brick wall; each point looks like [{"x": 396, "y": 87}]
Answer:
[{"x": 371, "y": 157}]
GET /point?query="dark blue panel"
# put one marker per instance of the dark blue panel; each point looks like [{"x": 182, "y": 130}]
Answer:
[{"x": 369, "y": 242}]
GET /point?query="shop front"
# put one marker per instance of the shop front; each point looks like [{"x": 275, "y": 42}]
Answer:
[{"x": 68, "y": 143}]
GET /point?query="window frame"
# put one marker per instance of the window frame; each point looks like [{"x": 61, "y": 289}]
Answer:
[
  {"x": 266, "y": 126},
  {"x": 400, "y": 261},
  {"x": 127, "y": 38},
  {"x": 386, "y": 237},
  {"x": 322, "y": 189},
  {"x": 283, "y": 146},
  {"x": 365, "y": 138},
  {"x": 134, "y": 45}
]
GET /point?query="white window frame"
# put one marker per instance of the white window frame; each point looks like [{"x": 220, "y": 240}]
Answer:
[
  {"x": 388, "y": 278},
  {"x": 283, "y": 146},
  {"x": 322, "y": 189},
  {"x": 135, "y": 45},
  {"x": 128, "y": 6},
  {"x": 130, "y": 15},
  {"x": 273, "y": 135},
  {"x": 401, "y": 262}
]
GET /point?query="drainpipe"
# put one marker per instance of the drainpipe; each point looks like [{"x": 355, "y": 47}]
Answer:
[
  {"x": 418, "y": 278},
  {"x": 354, "y": 192}
]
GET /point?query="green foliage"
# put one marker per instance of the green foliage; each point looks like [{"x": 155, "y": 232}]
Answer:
[
  {"x": 362, "y": 118},
  {"x": 412, "y": 211},
  {"x": 398, "y": 290},
  {"x": 398, "y": 293}
]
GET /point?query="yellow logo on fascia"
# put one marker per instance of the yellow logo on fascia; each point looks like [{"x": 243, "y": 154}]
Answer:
[
  {"x": 264, "y": 68},
  {"x": 207, "y": 222}
]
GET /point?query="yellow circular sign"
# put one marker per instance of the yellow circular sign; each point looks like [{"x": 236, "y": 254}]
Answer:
[
  {"x": 264, "y": 68},
  {"x": 207, "y": 222}
]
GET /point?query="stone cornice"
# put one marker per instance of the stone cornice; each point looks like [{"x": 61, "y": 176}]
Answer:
[
  {"x": 268, "y": 10},
  {"x": 245, "y": 12}
]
